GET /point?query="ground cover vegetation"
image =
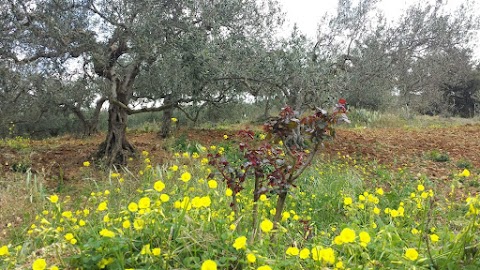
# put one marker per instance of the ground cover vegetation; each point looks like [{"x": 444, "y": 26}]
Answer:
[
  {"x": 198, "y": 138},
  {"x": 207, "y": 207}
]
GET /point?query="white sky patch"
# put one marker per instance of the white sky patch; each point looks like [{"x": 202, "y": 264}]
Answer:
[{"x": 308, "y": 13}]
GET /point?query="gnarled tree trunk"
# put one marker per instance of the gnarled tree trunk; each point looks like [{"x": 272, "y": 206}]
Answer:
[
  {"x": 115, "y": 150},
  {"x": 166, "y": 119},
  {"x": 90, "y": 125},
  {"x": 90, "y": 128}
]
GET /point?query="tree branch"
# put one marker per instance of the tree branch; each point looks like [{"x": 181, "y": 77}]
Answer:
[
  {"x": 94, "y": 9},
  {"x": 142, "y": 110},
  {"x": 244, "y": 79}
]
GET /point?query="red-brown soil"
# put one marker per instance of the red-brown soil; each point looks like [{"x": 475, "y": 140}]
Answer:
[
  {"x": 396, "y": 147},
  {"x": 412, "y": 148}
]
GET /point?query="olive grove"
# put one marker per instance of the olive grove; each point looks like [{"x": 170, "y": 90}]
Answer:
[{"x": 63, "y": 61}]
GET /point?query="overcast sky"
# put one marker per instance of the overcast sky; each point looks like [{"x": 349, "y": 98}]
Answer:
[{"x": 307, "y": 13}]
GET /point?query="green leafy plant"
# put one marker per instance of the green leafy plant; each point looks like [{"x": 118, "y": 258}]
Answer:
[
  {"x": 438, "y": 156},
  {"x": 464, "y": 164},
  {"x": 363, "y": 116}
]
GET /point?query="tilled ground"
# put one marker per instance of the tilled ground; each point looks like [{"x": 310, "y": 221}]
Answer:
[
  {"x": 420, "y": 150},
  {"x": 396, "y": 147}
]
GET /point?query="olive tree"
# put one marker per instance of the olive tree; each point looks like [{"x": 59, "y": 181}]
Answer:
[
  {"x": 118, "y": 41},
  {"x": 377, "y": 64}
]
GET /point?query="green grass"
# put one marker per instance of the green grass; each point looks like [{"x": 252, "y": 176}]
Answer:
[
  {"x": 375, "y": 119},
  {"x": 125, "y": 221}
]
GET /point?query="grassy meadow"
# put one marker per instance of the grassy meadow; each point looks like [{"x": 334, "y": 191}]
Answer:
[{"x": 342, "y": 213}]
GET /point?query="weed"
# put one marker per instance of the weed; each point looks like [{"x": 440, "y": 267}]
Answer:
[
  {"x": 17, "y": 143},
  {"x": 464, "y": 164},
  {"x": 437, "y": 156},
  {"x": 21, "y": 167}
]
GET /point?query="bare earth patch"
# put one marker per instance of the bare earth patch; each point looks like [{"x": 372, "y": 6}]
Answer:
[
  {"x": 411, "y": 148},
  {"x": 396, "y": 147}
]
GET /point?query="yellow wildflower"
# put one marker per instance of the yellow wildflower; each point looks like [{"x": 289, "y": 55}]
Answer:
[
  {"x": 185, "y": 177},
  {"x": 164, "y": 197},
  {"x": 347, "y": 235},
  {"x": 104, "y": 262},
  {"x": 106, "y": 218},
  {"x": 159, "y": 186},
  {"x": 144, "y": 203},
  {"x": 205, "y": 201},
  {"x": 337, "y": 240},
  {"x": 304, "y": 253},
  {"x": 4, "y": 251},
  {"x": 434, "y": 238},
  {"x": 394, "y": 213},
  {"x": 146, "y": 250},
  {"x": 102, "y": 206},
  {"x": 266, "y": 225},
  {"x": 240, "y": 243},
  {"x": 364, "y": 238},
  {"x": 53, "y": 198},
  {"x": 465, "y": 173},
  {"x": 39, "y": 264},
  {"x": 327, "y": 255},
  {"x": 68, "y": 236},
  {"x": 285, "y": 216},
  {"x": 251, "y": 258},
  {"x": 67, "y": 214},
  {"x": 411, "y": 254},
  {"x": 156, "y": 251},
  {"x": 107, "y": 233},
  {"x": 209, "y": 265},
  {"x": 133, "y": 207},
  {"x": 138, "y": 224},
  {"x": 292, "y": 251},
  {"x": 347, "y": 201},
  {"x": 212, "y": 184}
]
